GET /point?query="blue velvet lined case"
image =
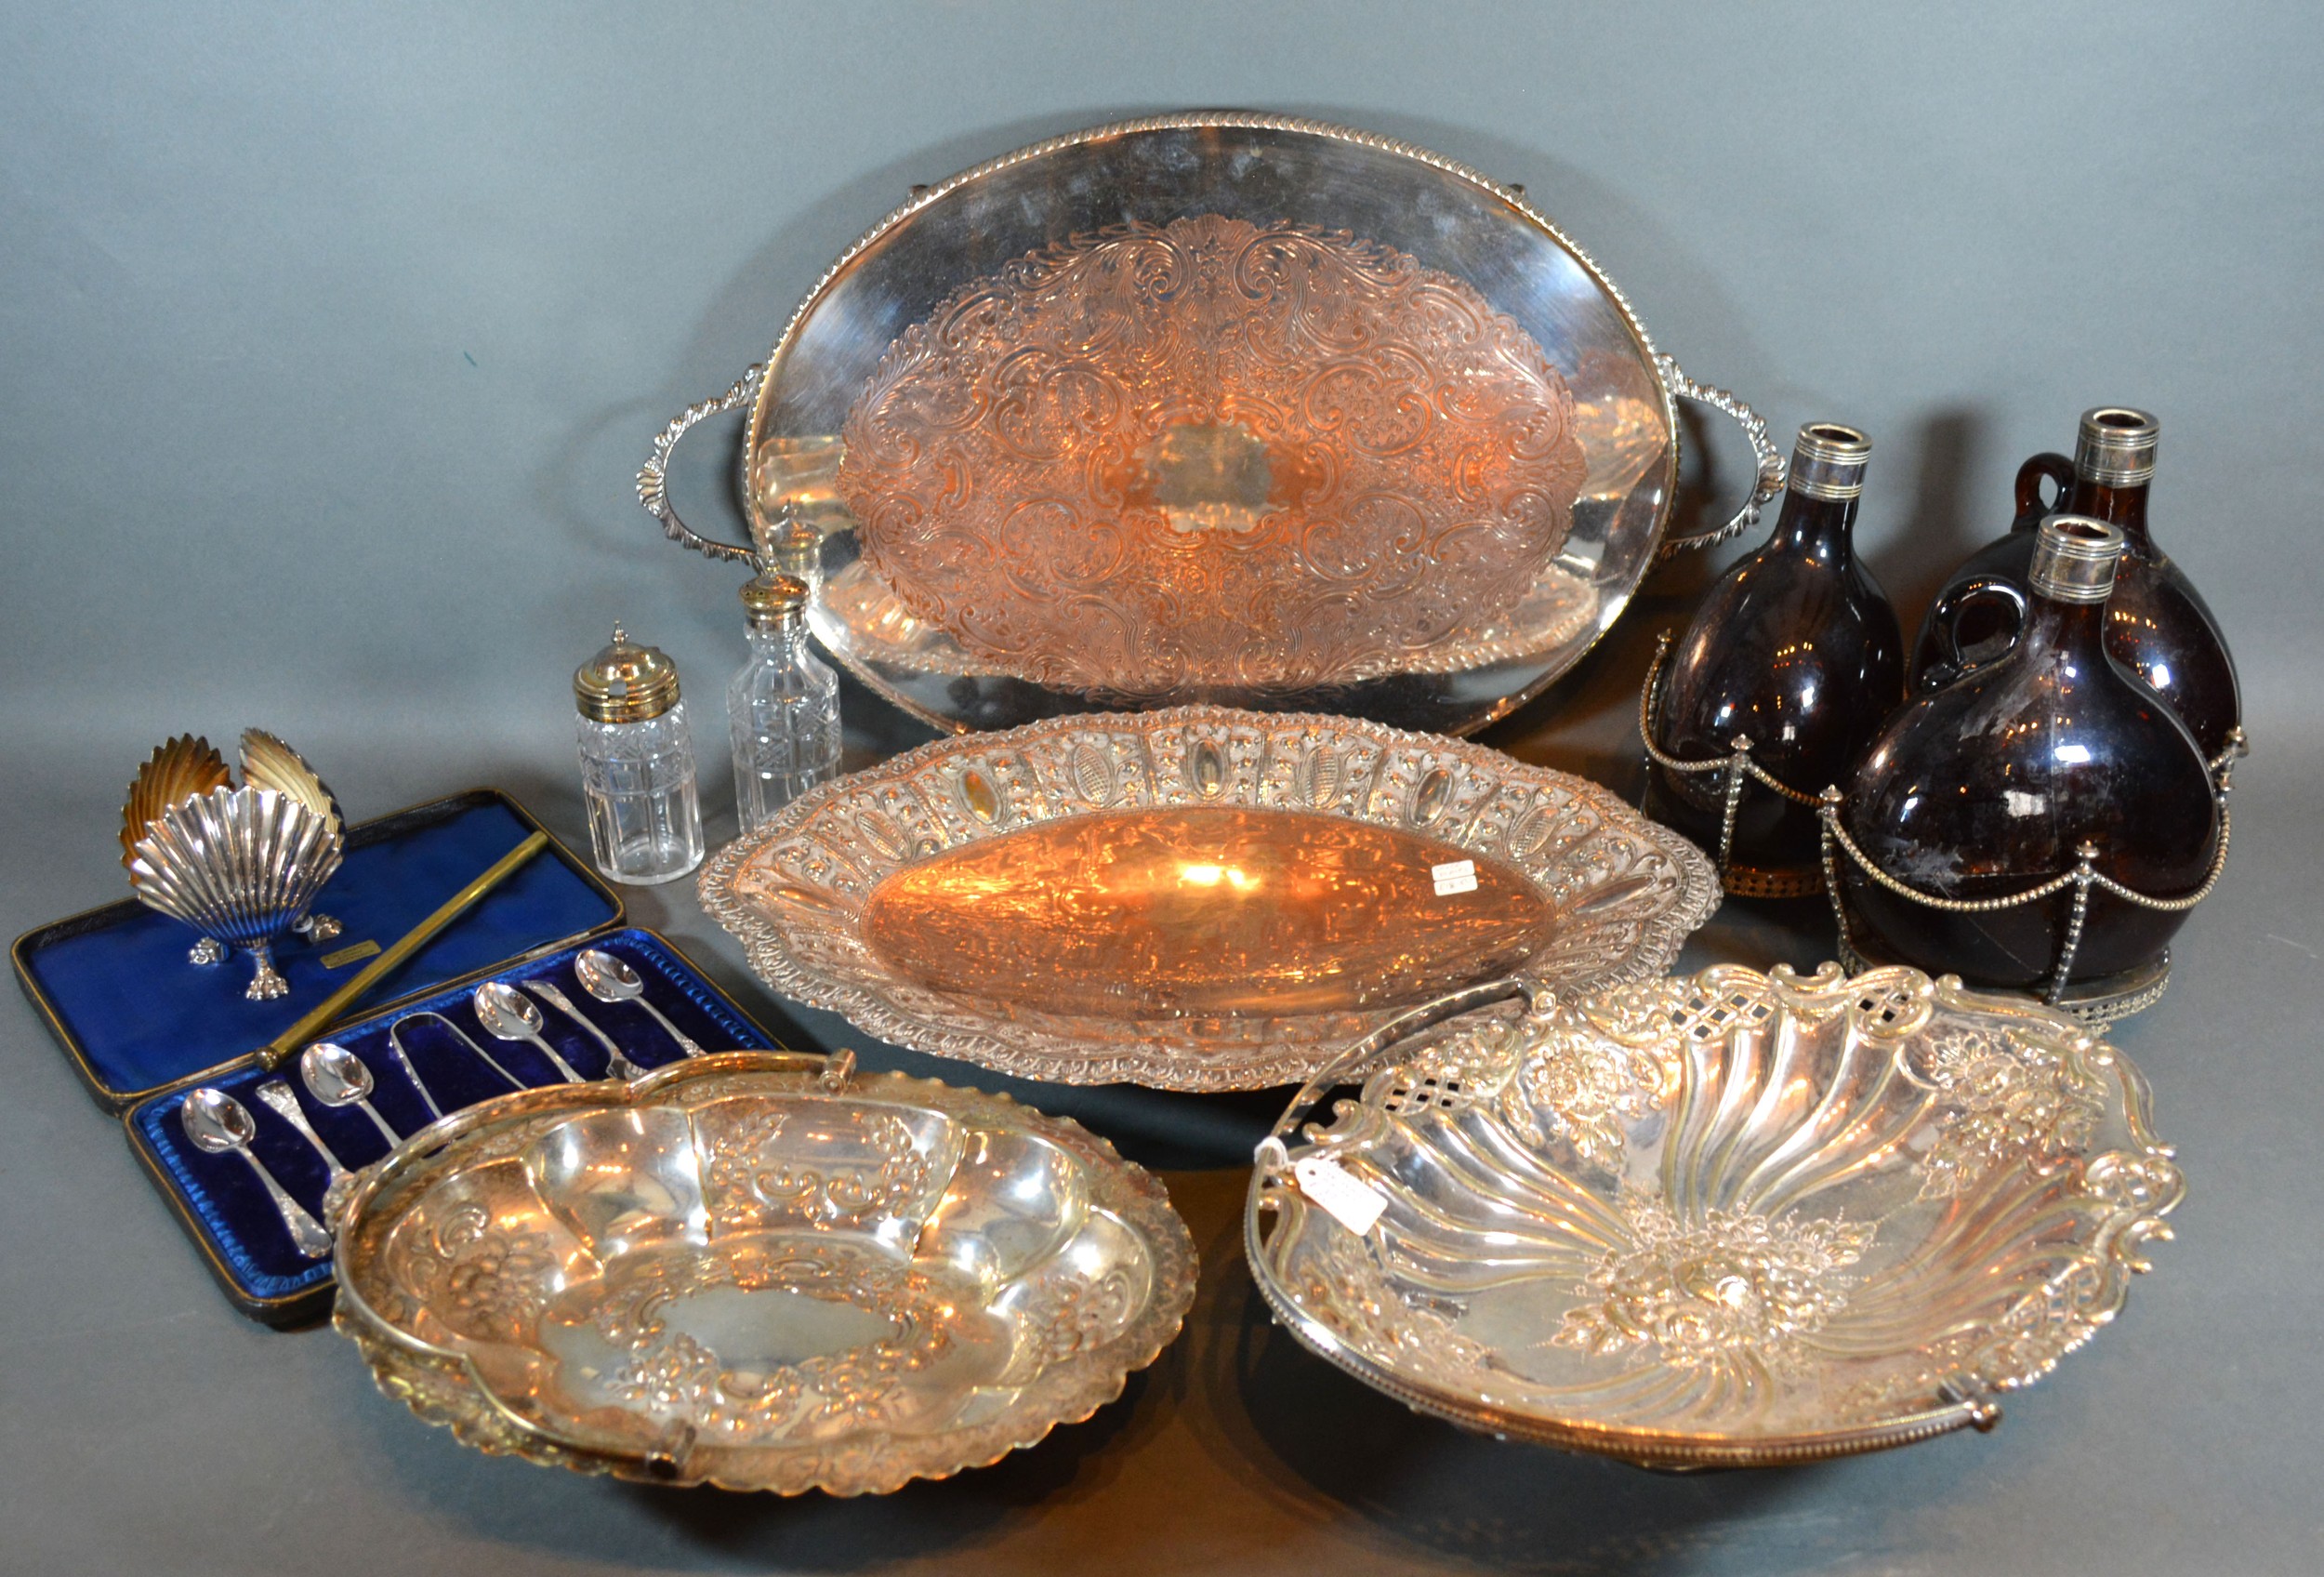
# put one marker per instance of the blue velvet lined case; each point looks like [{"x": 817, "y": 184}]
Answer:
[
  {"x": 143, "y": 1025},
  {"x": 136, "y": 1017}
]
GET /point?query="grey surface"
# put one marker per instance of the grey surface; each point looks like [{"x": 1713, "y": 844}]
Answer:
[{"x": 329, "y": 342}]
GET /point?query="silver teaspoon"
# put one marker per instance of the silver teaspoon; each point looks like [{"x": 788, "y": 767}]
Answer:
[
  {"x": 508, "y": 1013},
  {"x": 617, "y": 1061},
  {"x": 217, "y": 1123},
  {"x": 276, "y": 1096},
  {"x": 610, "y": 980},
  {"x": 336, "y": 1076}
]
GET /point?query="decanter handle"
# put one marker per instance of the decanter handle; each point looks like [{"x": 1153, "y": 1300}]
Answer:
[
  {"x": 1944, "y": 619},
  {"x": 1767, "y": 479},
  {"x": 2050, "y": 465},
  {"x": 653, "y": 476}
]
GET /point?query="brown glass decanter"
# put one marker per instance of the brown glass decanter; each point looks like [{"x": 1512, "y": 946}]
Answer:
[
  {"x": 1794, "y": 650},
  {"x": 2156, "y": 623},
  {"x": 2013, "y": 773}
]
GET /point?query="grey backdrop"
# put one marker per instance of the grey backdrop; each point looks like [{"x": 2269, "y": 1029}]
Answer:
[{"x": 329, "y": 342}]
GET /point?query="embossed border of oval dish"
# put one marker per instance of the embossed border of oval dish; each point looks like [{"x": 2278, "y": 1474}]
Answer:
[
  {"x": 441, "y": 1388},
  {"x": 1243, "y": 1053},
  {"x": 2130, "y": 1224}
]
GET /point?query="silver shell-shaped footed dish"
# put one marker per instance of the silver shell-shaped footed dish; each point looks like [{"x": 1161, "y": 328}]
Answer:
[
  {"x": 759, "y": 1271},
  {"x": 1196, "y": 898},
  {"x": 240, "y": 865},
  {"x": 1212, "y": 407},
  {"x": 1731, "y": 1220}
]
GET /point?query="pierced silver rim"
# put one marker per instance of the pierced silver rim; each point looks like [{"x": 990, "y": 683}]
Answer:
[{"x": 1164, "y": 1057}]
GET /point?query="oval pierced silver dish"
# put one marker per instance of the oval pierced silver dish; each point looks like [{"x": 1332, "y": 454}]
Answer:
[
  {"x": 1731, "y": 1220},
  {"x": 1212, "y": 407},
  {"x": 738, "y": 1272},
  {"x": 1195, "y": 898}
]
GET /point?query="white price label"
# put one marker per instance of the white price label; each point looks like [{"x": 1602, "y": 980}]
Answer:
[
  {"x": 1454, "y": 876},
  {"x": 1340, "y": 1194}
]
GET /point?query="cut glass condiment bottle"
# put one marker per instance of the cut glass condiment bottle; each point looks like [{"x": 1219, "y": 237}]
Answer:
[
  {"x": 637, "y": 764},
  {"x": 782, "y": 708},
  {"x": 1796, "y": 649},
  {"x": 2001, "y": 780},
  {"x": 2156, "y": 623}
]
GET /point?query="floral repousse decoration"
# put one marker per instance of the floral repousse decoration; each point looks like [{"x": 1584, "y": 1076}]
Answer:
[
  {"x": 1722, "y": 1286},
  {"x": 1574, "y": 888},
  {"x": 486, "y": 1277},
  {"x": 735, "y": 1272},
  {"x": 1729, "y": 1220},
  {"x": 1210, "y": 456},
  {"x": 2002, "y": 1098},
  {"x": 1588, "y": 1071},
  {"x": 663, "y": 1370},
  {"x": 886, "y": 1169}
]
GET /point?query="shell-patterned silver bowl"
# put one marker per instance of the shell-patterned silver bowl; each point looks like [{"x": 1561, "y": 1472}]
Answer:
[
  {"x": 738, "y": 1272},
  {"x": 1195, "y": 898},
  {"x": 1729, "y": 1220},
  {"x": 240, "y": 865}
]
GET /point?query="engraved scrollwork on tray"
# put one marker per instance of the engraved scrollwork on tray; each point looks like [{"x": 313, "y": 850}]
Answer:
[
  {"x": 1558, "y": 607},
  {"x": 1770, "y": 1218},
  {"x": 1056, "y": 346},
  {"x": 1211, "y": 453},
  {"x": 1195, "y": 898}
]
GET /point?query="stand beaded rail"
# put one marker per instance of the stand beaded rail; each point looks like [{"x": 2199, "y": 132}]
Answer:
[{"x": 1740, "y": 766}]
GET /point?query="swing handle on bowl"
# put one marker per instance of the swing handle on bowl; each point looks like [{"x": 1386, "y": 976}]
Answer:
[{"x": 1358, "y": 1056}]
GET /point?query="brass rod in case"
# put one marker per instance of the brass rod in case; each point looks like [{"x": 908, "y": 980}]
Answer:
[{"x": 275, "y": 1050}]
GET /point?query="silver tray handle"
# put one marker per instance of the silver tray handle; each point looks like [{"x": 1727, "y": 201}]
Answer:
[
  {"x": 653, "y": 476},
  {"x": 1767, "y": 482},
  {"x": 1274, "y": 1154}
]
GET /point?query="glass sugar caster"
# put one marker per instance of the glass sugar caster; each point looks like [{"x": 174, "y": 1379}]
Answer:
[
  {"x": 782, "y": 708},
  {"x": 637, "y": 764}
]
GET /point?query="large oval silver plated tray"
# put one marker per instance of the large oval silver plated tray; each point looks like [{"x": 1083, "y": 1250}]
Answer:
[
  {"x": 1197, "y": 898},
  {"x": 736, "y": 1272},
  {"x": 1733, "y": 1220},
  {"x": 1212, "y": 407}
]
